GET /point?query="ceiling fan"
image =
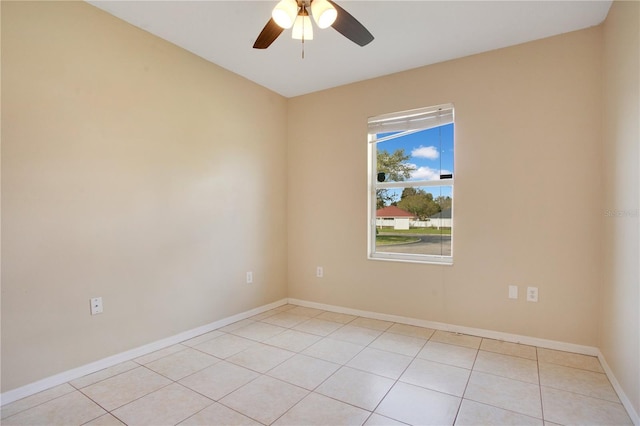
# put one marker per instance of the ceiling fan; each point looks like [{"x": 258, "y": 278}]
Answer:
[{"x": 326, "y": 13}]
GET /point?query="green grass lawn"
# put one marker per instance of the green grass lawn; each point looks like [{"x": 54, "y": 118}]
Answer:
[
  {"x": 385, "y": 240},
  {"x": 415, "y": 231}
]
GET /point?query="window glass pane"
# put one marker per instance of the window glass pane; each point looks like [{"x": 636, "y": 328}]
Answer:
[
  {"x": 418, "y": 220},
  {"x": 422, "y": 155}
]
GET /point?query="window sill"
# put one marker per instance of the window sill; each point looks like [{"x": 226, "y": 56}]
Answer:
[{"x": 429, "y": 260}]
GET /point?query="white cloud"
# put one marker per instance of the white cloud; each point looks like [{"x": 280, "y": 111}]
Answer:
[
  {"x": 429, "y": 152},
  {"x": 427, "y": 173}
]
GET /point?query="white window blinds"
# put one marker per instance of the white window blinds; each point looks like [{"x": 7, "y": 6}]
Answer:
[{"x": 409, "y": 122}]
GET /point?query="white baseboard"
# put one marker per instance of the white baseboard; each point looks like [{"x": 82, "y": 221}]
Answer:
[
  {"x": 489, "y": 334},
  {"x": 635, "y": 418},
  {"x": 67, "y": 376}
]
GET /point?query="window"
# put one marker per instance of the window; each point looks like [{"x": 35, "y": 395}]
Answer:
[{"x": 411, "y": 185}]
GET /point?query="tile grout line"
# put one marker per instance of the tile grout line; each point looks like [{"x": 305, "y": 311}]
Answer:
[
  {"x": 197, "y": 412},
  {"x": 462, "y": 398},
  {"x": 540, "y": 385},
  {"x": 74, "y": 389},
  {"x": 219, "y": 401},
  {"x": 582, "y": 395},
  {"x": 398, "y": 380}
]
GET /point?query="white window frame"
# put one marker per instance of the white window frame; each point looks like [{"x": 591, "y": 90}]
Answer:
[{"x": 406, "y": 122}]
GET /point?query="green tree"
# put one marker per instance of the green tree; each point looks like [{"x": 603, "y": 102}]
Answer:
[
  {"x": 407, "y": 192},
  {"x": 394, "y": 165},
  {"x": 418, "y": 202},
  {"x": 396, "y": 169},
  {"x": 444, "y": 202},
  {"x": 383, "y": 198}
]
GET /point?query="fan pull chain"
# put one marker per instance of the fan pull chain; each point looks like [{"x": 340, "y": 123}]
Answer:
[{"x": 303, "y": 34}]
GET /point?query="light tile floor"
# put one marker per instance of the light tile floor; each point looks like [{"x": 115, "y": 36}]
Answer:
[{"x": 301, "y": 366}]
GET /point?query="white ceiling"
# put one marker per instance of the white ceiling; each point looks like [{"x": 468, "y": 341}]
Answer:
[{"x": 408, "y": 34}]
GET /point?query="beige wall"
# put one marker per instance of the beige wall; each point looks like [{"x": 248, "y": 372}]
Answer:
[
  {"x": 620, "y": 327},
  {"x": 527, "y": 151},
  {"x": 131, "y": 170}
]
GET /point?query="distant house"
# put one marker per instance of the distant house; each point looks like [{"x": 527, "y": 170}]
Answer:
[
  {"x": 441, "y": 219},
  {"x": 392, "y": 216}
]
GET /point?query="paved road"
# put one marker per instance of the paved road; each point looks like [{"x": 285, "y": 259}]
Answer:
[{"x": 439, "y": 245}]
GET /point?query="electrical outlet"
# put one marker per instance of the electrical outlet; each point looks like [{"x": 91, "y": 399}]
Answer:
[
  {"x": 319, "y": 272},
  {"x": 513, "y": 292},
  {"x": 96, "y": 305},
  {"x": 532, "y": 294},
  {"x": 249, "y": 277}
]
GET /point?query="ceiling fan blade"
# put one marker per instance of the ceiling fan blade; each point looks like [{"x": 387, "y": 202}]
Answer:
[
  {"x": 269, "y": 33},
  {"x": 350, "y": 27}
]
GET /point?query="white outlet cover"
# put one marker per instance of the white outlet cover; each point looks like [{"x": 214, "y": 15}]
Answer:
[
  {"x": 96, "y": 305},
  {"x": 532, "y": 294}
]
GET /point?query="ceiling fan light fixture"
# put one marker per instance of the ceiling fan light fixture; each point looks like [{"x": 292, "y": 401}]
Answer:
[
  {"x": 285, "y": 12},
  {"x": 296, "y": 13},
  {"x": 323, "y": 13},
  {"x": 302, "y": 29}
]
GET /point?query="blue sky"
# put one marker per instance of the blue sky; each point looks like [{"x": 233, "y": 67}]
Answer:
[{"x": 430, "y": 151}]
